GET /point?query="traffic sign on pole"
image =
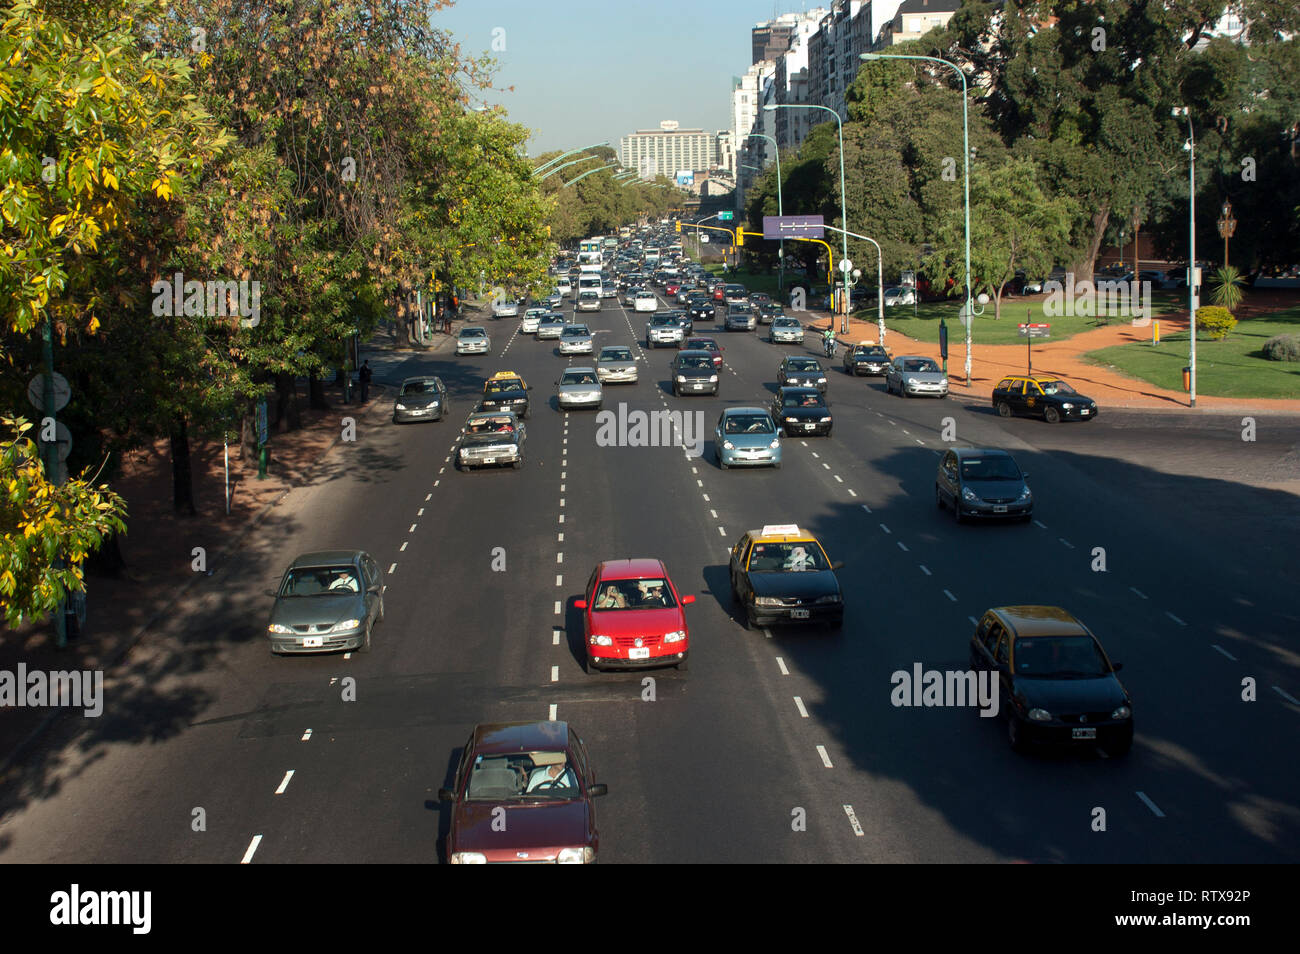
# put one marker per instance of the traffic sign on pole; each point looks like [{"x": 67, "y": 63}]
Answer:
[
  {"x": 793, "y": 226},
  {"x": 726, "y": 216}
]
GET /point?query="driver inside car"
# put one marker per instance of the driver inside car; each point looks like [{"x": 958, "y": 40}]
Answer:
[{"x": 547, "y": 777}]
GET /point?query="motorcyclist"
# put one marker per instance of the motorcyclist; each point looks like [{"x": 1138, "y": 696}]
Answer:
[{"x": 828, "y": 342}]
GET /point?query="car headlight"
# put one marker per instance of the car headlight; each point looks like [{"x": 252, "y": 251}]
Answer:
[
  {"x": 681, "y": 379},
  {"x": 713, "y": 379},
  {"x": 833, "y": 598},
  {"x": 767, "y": 601},
  {"x": 599, "y": 640},
  {"x": 280, "y": 629},
  {"x": 512, "y": 448},
  {"x": 727, "y": 445},
  {"x": 1123, "y": 712},
  {"x": 911, "y": 381},
  {"x": 346, "y": 624},
  {"x": 469, "y": 858},
  {"x": 1039, "y": 715},
  {"x": 968, "y": 494},
  {"x": 1067, "y": 406},
  {"x": 434, "y": 403},
  {"x": 943, "y": 382},
  {"x": 1025, "y": 494},
  {"x": 821, "y": 380},
  {"x": 792, "y": 420},
  {"x": 675, "y": 637},
  {"x": 826, "y": 420},
  {"x": 401, "y": 407},
  {"x": 464, "y": 452},
  {"x": 575, "y": 856}
]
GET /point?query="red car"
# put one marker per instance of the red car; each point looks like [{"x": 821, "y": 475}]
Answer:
[
  {"x": 672, "y": 287},
  {"x": 523, "y": 793},
  {"x": 706, "y": 344},
  {"x": 632, "y": 616}
]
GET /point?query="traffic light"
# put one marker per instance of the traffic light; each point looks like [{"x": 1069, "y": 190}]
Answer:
[
  {"x": 740, "y": 237},
  {"x": 678, "y": 224}
]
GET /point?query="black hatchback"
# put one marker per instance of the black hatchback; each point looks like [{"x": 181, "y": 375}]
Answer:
[
  {"x": 801, "y": 411},
  {"x": 982, "y": 483}
]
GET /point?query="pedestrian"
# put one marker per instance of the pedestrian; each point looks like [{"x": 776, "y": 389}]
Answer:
[{"x": 364, "y": 375}]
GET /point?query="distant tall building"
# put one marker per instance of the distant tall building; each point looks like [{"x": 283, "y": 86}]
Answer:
[
  {"x": 771, "y": 38},
  {"x": 668, "y": 150}
]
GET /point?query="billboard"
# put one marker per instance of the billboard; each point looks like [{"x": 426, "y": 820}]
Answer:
[{"x": 685, "y": 178}]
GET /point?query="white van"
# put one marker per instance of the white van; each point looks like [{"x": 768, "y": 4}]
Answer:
[{"x": 589, "y": 281}]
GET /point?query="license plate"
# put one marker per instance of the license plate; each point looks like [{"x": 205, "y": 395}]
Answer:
[
  {"x": 1083, "y": 733},
  {"x": 999, "y": 508},
  {"x": 810, "y": 427},
  {"x": 312, "y": 642},
  {"x": 798, "y": 614},
  {"x": 639, "y": 653},
  {"x": 489, "y": 460},
  {"x": 1083, "y": 412}
]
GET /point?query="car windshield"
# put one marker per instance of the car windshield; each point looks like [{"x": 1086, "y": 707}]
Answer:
[
  {"x": 615, "y": 354},
  {"x": 578, "y": 377},
  {"x": 787, "y": 557},
  {"x": 748, "y": 424},
  {"x": 500, "y": 426},
  {"x": 1058, "y": 657},
  {"x": 803, "y": 364},
  {"x": 920, "y": 365},
  {"x": 315, "y": 580},
  {"x": 575, "y": 331},
  {"x": 875, "y": 352},
  {"x": 696, "y": 362},
  {"x": 525, "y": 775},
  {"x": 552, "y": 320},
  {"x": 473, "y": 333},
  {"x": 989, "y": 468},
  {"x": 499, "y": 387},
  {"x": 418, "y": 387},
  {"x": 703, "y": 344},
  {"x": 802, "y": 400},
  {"x": 1056, "y": 387},
  {"x": 785, "y": 323},
  {"x": 633, "y": 594}
]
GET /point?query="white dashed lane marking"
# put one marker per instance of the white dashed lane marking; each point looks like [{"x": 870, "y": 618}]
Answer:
[
  {"x": 252, "y": 849},
  {"x": 1151, "y": 805},
  {"x": 885, "y": 528},
  {"x": 902, "y": 546},
  {"x": 1286, "y": 695},
  {"x": 306, "y": 735},
  {"x": 284, "y": 783},
  {"x": 551, "y": 712},
  {"x": 798, "y": 704},
  {"x": 392, "y": 568},
  {"x": 853, "y": 820},
  {"x": 781, "y": 665},
  {"x": 1223, "y": 651},
  {"x": 1175, "y": 618},
  {"x": 950, "y": 596},
  {"x": 1139, "y": 592},
  {"x": 925, "y": 570},
  {"x": 826, "y": 759},
  {"x": 405, "y": 544}
]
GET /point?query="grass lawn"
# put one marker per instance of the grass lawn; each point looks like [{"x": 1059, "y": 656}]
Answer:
[
  {"x": 1232, "y": 367},
  {"x": 924, "y": 326}
]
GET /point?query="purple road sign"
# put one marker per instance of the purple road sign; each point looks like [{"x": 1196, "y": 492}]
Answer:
[{"x": 792, "y": 226}]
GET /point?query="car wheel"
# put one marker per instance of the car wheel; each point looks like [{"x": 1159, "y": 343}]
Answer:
[
  {"x": 365, "y": 645},
  {"x": 1004, "y": 409},
  {"x": 776, "y": 465},
  {"x": 722, "y": 464},
  {"x": 683, "y": 666},
  {"x": 747, "y": 619},
  {"x": 1051, "y": 415},
  {"x": 1015, "y": 733},
  {"x": 518, "y": 464},
  {"x": 938, "y": 497},
  {"x": 676, "y": 393}
]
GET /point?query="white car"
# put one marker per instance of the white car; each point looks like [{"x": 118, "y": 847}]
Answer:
[
  {"x": 645, "y": 301},
  {"x": 505, "y": 309},
  {"x": 899, "y": 296},
  {"x": 564, "y": 286},
  {"x": 473, "y": 340},
  {"x": 532, "y": 317}
]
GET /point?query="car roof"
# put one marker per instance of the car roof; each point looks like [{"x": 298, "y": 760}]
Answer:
[
  {"x": 781, "y": 533},
  {"x": 419, "y": 377},
  {"x": 502, "y": 375},
  {"x": 483, "y": 415},
  {"x": 632, "y": 568},
  {"x": 325, "y": 558},
  {"x": 792, "y": 389},
  {"x": 695, "y": 353},
  {"x": 503, "y": 738},
  {"x": 729, "y": 411},
  {"x": 964, "y": 452},
  {"x": 1028, "y": 621},
  {"x": 1031, "y": 377},
  {"x": 577, "y": 369}
]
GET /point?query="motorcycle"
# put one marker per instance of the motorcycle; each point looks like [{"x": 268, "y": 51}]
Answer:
[{"x": 829, "y": 345}]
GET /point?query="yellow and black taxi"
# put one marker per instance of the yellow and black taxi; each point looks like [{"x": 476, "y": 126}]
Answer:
[
  {"x": 780, "y": 574},
  {"x": 1058, "y": 686},
  {"x": 505, "y": 391},
  {"x": 1042, "y": 396}
]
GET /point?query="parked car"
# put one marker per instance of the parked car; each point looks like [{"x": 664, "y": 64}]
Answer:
[
  {"x": 327, "y": 601},
  {"x": 899, "y": 296}
]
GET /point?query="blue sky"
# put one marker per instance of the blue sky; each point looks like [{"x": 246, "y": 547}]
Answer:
[{"x": 587, "y": 70}]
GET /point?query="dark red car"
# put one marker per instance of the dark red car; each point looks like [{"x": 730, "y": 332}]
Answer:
[
  {"x": 706, "y": 344},
  {"x": 672, "y": 287},
  {"x": 523, "y": 793},
  {"x": 632, "y": 616}
]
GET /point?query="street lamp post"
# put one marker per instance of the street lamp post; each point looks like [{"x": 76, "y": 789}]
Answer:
[
  {"x": 880, "y": 279},
  {"x": 571, "y": 162},
  {"x": 845, "y": 265},
  {"x": 1192, "y": 285},
  {"x": 780, "y": 208},
  {"x": 607, "y": 165},
  {"x": 551, "y": 162},
  {"x": 968, "y": 309},
  {"x": 1227, "y": 225}
]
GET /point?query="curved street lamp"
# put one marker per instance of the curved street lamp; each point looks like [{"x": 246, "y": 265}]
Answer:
[
  {"x": 551, "y": 162},
  {"x": 607, "y": 165},
  {"x": 780, "y": 206},
  {"x": 1193, "y": 286}
]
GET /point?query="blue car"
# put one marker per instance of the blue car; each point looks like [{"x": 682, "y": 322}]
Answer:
[{"x": 746, "y": 437}]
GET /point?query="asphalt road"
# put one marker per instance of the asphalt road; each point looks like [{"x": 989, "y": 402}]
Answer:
[{"x": 767, "y": 729}]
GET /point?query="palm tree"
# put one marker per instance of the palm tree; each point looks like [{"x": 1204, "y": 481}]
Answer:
[{"x": 1227, "y": 287}]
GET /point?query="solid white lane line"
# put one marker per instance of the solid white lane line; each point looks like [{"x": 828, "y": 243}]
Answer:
[
  {"x": 551, "y": 712},
  {"x": 1041, "y": 524},
  {"x": 1151, "y": 805},
  {"x": 781, "y": 665},
  {"x": 926, "y": 570},
  {"x": 284, "y": 783},
  {"x": 555, "y": 674},
  {"x": 1139, "y": 592},
  {"x": 1224, "y": 651},
  {"x": 1286, "y": 695},
  {"x": 853, "y": 820},
  {"x": 392, "y": 568},
  {"x": 1175, "y": 618},
  {"x": 950, "y": 596},
  {"x": 826, "y": 759},
  {"x": 798, "y": 704},
  {"x": 306, "y": 735},
  {"x": 252, "y": 848}
]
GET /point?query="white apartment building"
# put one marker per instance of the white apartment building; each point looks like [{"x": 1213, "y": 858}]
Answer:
[{"x": 668, "y": 150}]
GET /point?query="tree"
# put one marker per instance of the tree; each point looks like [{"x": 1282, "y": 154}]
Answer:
[
  {"x": 1014, "y": 226},
  {"x": 41, "y": 523},
  {"x": 1227, "y": 291}
]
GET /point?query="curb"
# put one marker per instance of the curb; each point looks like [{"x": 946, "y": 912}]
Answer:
[{"x": 232, "y": 548}]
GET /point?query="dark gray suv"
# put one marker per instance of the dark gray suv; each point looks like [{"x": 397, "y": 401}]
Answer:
[{"x": 693, "y": 373}]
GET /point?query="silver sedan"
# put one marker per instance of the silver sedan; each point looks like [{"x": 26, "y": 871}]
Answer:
[
  {"x": 579, "y": 387},
  {"x": 473, "y": 340},
  {"x": 575, "y": 339},
  {"x": 914, "y": 376},
  {"x": 616, "y": 365},
  {"x": 327, "y": 601},
  {"x": 785, "y": 331}
]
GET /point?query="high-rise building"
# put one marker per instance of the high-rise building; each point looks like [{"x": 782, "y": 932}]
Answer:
[{"x": 668, "y": 150}]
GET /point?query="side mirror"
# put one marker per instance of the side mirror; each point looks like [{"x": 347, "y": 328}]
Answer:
[
  {"x": 600, "y": 788},
  {"x": 837, "y": 565},
  {"x": 373, "y": 588},
  {"x": 1024, "y": 476},
  {"x": 272, "y": 593},
  {"x": 688, "y": 599},
  {"x": 445, "y": 795},
  {"x": 580, "y": 604}
]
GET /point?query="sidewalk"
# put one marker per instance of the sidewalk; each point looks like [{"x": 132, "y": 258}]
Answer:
[
  {"x": 158, "y": 547},
  {"x": 1109, "y": 388}
]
